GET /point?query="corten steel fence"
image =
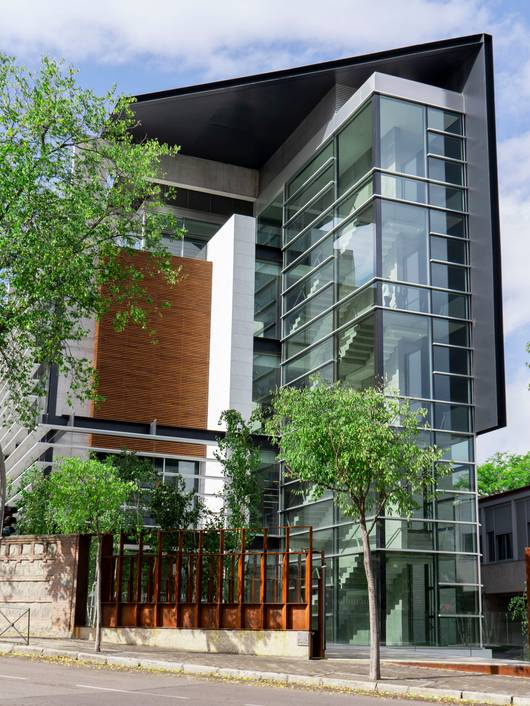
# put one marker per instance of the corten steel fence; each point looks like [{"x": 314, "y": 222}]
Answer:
[{"x": 230, "y": 579}]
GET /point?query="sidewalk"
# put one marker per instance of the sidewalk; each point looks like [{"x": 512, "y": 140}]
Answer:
[{"x": 413, "y": 679}]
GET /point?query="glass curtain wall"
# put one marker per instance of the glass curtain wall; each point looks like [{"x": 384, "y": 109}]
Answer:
[{"x": 375, "y": 286}]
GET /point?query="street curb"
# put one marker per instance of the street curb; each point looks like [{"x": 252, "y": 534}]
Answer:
[{"x": 366, "y": 687}]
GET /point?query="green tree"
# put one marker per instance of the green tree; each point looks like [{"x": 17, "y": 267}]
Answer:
[
  {"x": 503, "y": 471},
  {"x": 518, "y": 610},
  {"x": 172, "y": 507},
  {"x": 77, "y": 198},
  {"x": 240, "y": 459},
  {"x": 362, "y": 446},
  {"x": 140, "y": 471},
  {"x": 33, "y": 506},
  {"x": 88, "y": 496}
]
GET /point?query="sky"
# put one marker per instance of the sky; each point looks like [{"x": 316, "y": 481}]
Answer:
[{"x": 142, "y": 47}]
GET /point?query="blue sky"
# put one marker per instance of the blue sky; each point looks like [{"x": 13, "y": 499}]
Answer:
[{"x": 167, "y": 43}]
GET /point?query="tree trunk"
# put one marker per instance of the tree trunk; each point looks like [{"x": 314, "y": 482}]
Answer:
[
  {"x": 3, "y": 490},
  {"x": 97, "y": 642},
  {"x": 375, "y": 656}
]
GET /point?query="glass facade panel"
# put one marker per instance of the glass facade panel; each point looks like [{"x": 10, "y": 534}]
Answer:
[
  {"x": 304, "y": 195},
  {"x": 354, "y": 247},
  {"x": 445, "y": 120},
  {"x": 446, "y": 145},
  {"x": 400, "y": 296},
  {"x": 449, "y": 223},
  {"x": 266, "y": 376},
  {"x": 455, "y": 447},
  {"x": 456, "y": 537},
  {"x": 309, "y": 286},
  {"x": 452, "y": 417},
  {"x": 458, "y": 631},
  {"x": 452, "y": 388},
  {"x": 308, "y": 335},
  {"x": 447, "y": 197},
  {"x": 266, "y": 299},
  {"x": 309, "y": 237},
  {"x": 308, "y": 262},
  {"x": 308, "y": 215},
  {"x": 404, "y": 245},
  {"x": 354, "y": 306},
  {"x": 455, "y": 508},
  {"x": 307, "y": 172},
  {"x": 448, "y": 249},
  {"x": 404, "y": 189},
  {"x": 450, "y": 304},
  {"x": 400, "y": 534},
  {"x": 448, "y": 276},
  {"x": 402, "y": 128},
  {"x": 315, "y": 357},
  {"x": 355, "y": 354},
  {"x": 459, "y": 599},
  {"x": 354, "y": 201},
  {"x": 451, "y": 360},
  {"x": 458, "y": 476},
  {"x": 313, "y": 307},
  {"x": 457, "y": 569},
  {"x": 351, "y": 612},
  {"x": 315, "y": 515},
  {"x": 354, "y": 149},
  {"x": 444, "y": 170},
  {"x": 453, "y": 333},
  {"x": 406, "y": 354},
  {"x": 269, "y": 224}
]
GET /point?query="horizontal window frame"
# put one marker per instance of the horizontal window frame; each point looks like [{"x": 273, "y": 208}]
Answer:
[
  {"x": 421, "y": 204},
  {"x": 330, "y": 160},
  {"x": 426, "y": 180},
  {"x": 328, "y": 259},
  {"x": 314, "y": 198}
]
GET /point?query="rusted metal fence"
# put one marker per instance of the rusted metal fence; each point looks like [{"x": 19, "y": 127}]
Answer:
[{"x": 230, "y": 579}]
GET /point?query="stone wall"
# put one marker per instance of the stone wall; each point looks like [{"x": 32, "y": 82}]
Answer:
[{"x": 40, "y": 573}]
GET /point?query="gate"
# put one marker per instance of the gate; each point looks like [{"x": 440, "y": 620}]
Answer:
[{"x": 214, "y": 579}]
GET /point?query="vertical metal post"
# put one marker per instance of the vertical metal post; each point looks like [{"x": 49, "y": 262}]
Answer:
[
  {"x": 117, "y": 587},
  {"x": 178, "y": 579},
  {"x": 139, "y": 578},
  {"x": 158, "y": 572},
  {"x": 220, "y": 578},
  {"x": 198, "y": 582},
  {"x": 263, "y": 579},
  {"x": 285, "y": 578},
  {"x": 241, "y": 581}
]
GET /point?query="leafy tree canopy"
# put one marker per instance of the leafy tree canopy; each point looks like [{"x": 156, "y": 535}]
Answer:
[
  {"x": 33, "y": 505},
  {"x": 173, "y": 507},
  {"x": 503, "y": 471}
]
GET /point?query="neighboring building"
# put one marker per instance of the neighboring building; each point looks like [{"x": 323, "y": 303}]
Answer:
[
  {"x": 342, "y": 220},
  {"x": 504, "y": 535}
]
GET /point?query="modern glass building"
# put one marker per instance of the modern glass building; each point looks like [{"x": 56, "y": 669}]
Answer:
[{"x": 342, "y": 220}]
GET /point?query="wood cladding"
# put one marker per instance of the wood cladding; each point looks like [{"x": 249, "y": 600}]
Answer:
[{"x": 167, "y": 380}]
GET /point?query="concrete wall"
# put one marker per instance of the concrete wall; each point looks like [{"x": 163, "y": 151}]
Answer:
[
  {"x": 503, "y": 577},
  {"x": 272, "y": 643},
  {"x": 40, "y": 573}
]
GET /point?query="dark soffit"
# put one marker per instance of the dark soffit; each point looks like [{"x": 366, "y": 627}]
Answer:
[{"x": 243, "y": 121}]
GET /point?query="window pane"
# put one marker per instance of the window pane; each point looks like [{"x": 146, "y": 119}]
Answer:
[
  {"x": 452, "y": 417},
  {"x": 308, "y": 311},
  {"x": 355, "y": 354},
  {"x": 266, "y": 375},
  {"x": 355, "y": 149},
  {"x": 459, "y": 631},
  {"x": 356, "y": 305},
  {"x": 454, "y": 333},
  {"x": 458, "y": 600},
  {"x": 446, "y": 145},
  {"x": 450, "y": 304},
  {"x": 448, "y": 249},
  {"x": 309, "y": 238},
  {"x": 403, "y": 189},
  {"x": 442, "y": 170},
  {"x": 460, "y": 476},
  {"x": 310, "y": 191},
  {"x": 324, "y": 374},
  {"x": 355, "y": 200},
  {"x": 456, "y": 538},
  {"x": 266, "y": 299},
  {"x": 449, "y": 223},
  {"x": 445, "y": 120},
  {"x": 446, "y": 197},
  {"x": 456, "y": 448},
  {"x": 269, "y": 224},
  {"x": 316, "y": 515},
  {"x": 312, "y": 259},
  {"x": 308, "y": 215},
  {"x": 458, "y": 508},
  {"x": 308, "y": 171},
  {"x": 354, "y": 248},
  {"x": 310, "y": 334},
  {"x": 312, "y": 359},
  {"x": 402, "y": 136},
  {"x": 452, "y": 389},
  {"x": 308, "y": 286},
  {"x": 451, "y": 360},
  {"x": 400, "y": 534},
  {"x": 399, "y": 296},
  {"x": 457, "y": 569},
  {"x": 404, "y": 242},
  {"x": 406, "y": 354},
  {"x": 448, "y": 276}
]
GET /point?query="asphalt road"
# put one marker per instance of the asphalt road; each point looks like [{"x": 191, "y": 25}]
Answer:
[{"x": 24, "y": 682}]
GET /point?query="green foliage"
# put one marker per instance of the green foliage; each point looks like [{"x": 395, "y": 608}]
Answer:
[
  {"x": 503, "y": 471},
  {"x": 518, "y": 610},
  {"x": 65, "y": 223},
  {"x": 140, "y": 471},
  {"x": 172, "y": 507},
  {"x": 88, "y": 496},
  {"x": 240, "y": 458},
  {"x": 347, "y": 442},
  {"x": 33, "y": 506}
]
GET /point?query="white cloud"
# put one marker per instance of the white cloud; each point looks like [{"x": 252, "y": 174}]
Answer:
[{"x": 233, "y": 36}]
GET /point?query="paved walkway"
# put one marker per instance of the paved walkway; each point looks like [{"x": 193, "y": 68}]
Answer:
[{"x": 412, "y": 679}]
